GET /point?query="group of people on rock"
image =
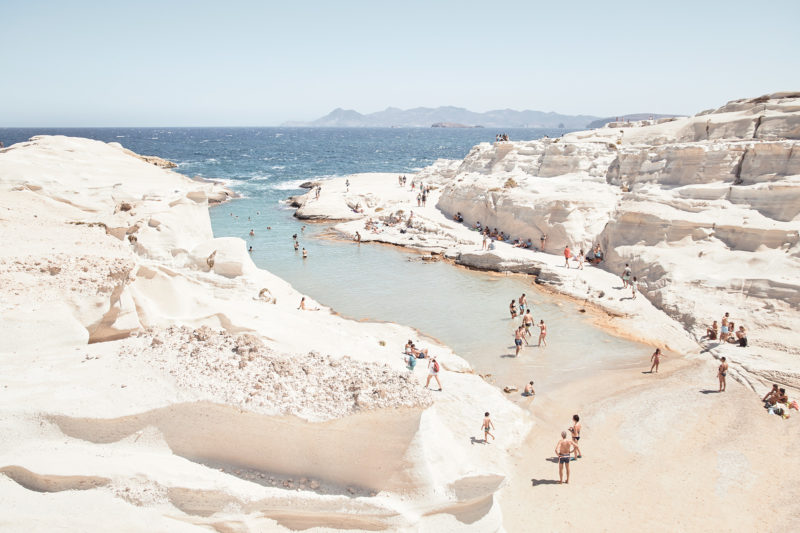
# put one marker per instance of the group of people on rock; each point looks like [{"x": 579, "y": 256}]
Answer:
[
  {"x": 501, "y": 137},
  {"x": 401, "y": 180},
  {"x": 777, "y": 402},
  {"x": 728, "y": 332},
  {"x": 594, "y": 256},
  {"x": 412, "y": 354}
]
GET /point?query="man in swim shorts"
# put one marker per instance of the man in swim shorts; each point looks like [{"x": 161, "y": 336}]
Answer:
[
  {"x": 564, "y": 449},
  {"x": 519, "y": 334},
  {"x": 527, "y": 323}
]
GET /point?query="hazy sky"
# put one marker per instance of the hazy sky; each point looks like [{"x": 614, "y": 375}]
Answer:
[{"x": 240, "y": 63}]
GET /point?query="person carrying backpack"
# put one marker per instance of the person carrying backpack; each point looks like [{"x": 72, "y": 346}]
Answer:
[{"x": 433, "y": 372}]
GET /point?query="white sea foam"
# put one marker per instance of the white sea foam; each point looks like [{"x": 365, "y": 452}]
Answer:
[{"x": 288, "y": 185}]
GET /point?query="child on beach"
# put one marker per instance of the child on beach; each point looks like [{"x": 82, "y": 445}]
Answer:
[{"x": 487, "y": 425}]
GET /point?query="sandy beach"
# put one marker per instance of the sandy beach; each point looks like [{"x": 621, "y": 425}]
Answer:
[{"x": 153, "y": 378}]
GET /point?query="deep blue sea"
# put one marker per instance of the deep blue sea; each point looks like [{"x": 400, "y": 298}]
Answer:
[
  {"x": 259, "y": 159},
  {"x": 466, "y": 310}
]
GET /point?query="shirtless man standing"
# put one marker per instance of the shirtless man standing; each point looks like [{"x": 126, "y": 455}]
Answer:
[
  {"x": 523, "y": 303},
  {"x": 519, "y": 335},
  {"x": 564, "y": 449},
  {"x": 722, "y": 373},
  {"x": 527, "y": 323}
]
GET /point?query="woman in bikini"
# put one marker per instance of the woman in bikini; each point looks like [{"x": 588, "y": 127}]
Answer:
[
  {"x": 542, "y": 334},
  {"x": 513, "y": 308},
  {"x": 722, "y": 373},
  {"x": 655, "y": 358}
]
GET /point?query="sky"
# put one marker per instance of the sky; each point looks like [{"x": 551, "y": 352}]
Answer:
[{"x": 260, "y": 63}]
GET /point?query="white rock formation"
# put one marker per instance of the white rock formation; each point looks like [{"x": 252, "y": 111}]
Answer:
[
  {"x": 150, "y": 371},
  {"x": 705, "y": 209}
]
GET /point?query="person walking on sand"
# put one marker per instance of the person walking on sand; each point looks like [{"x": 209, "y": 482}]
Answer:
[
  {"x": 655, "y": 358},
  {"x": 542, "y": 240},
  {"x": 575, "y": 430},
  {"x": 722, "y": 374},
  {"x": 542, "y": 334},
  {"x": 626, "y": 276},
  {"x": 634, "y": 284},
  {"x": 487, "y": 425},
  {"x": 564, "y": 449},
  {"x": 433, "y": 372},
  {"x": 347, "y": 185},
  {"x": 512, "y": 308},
  {"x": 523, "y": 303},
  {"x": 567, "y": 255},
  {"x": 519, "y": 335},
  {"x": 581, "y": 257}
]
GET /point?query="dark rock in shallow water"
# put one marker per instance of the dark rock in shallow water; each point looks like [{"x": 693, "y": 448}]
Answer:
[{"x": 309, "y": 185}]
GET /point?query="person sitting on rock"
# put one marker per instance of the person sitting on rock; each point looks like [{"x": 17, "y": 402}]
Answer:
[
  {"x": 771, "y": 396},
  {"x": 712, "y": 332},
  {"x": 741, "y": 337}
]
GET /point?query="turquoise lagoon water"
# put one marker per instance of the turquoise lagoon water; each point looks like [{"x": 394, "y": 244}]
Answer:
[{"x": 466, "y": 310}]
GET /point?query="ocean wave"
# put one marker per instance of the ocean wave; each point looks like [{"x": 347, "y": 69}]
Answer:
[
  {"x": 277, "y": 167},
  {"x": 288, "y": 185}
]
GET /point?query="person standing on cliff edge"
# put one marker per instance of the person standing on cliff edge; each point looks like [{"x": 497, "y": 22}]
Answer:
[{"x": 543, "y": 239}]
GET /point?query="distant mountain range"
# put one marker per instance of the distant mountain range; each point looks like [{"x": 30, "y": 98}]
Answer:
[{"x": 447, "y": 116}]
